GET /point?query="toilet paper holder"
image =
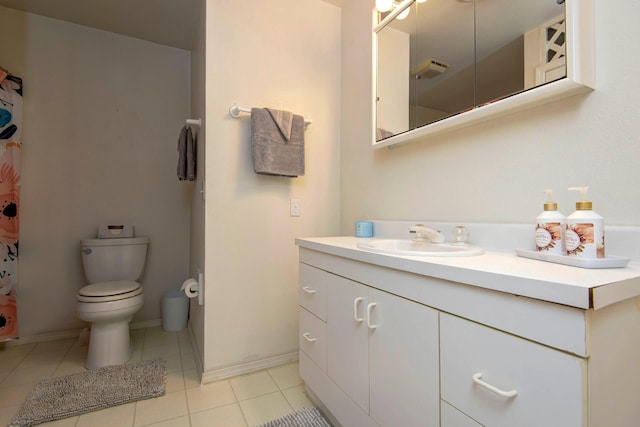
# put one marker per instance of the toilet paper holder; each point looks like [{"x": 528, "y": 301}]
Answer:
[{"x": 194, "y": 287}]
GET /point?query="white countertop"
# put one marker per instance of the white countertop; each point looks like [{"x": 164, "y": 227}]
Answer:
[{"x": 573, "y": 286}]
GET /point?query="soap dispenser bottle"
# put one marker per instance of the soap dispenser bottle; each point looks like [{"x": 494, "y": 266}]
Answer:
[
  {"x": 550, "y": 226},
  {"x": 584, "y": 234}
]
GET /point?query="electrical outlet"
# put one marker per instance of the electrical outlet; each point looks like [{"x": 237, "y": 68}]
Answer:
[{"x": 294, "y": 207}]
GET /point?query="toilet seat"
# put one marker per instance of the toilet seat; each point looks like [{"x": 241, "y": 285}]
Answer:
[{"x": 109, "y": 291}]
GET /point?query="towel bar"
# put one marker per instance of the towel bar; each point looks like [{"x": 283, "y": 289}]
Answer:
[
  {"x": 196, "y": 122},
  {"x": 234, "y": 111}
]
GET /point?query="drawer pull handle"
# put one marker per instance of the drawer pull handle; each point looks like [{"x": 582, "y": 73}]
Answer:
[
  {"x": 308, "y": 338},
  {"x": 309, "y": 290},
  {"x": 356, "y": 302},
  {"x": 477, "y": 379},
  {"x": 369, "y": 308}
]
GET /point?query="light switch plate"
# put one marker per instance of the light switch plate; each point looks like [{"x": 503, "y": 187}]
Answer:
[{"x": 294, "y": 207}]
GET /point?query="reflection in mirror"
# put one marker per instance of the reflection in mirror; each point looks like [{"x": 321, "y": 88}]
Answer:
[
  {"x": 442, "y": 68},
  {"x": 519, "y": 45},
  {"x": 451, "y": 56},
  {"x": 393, "y": 96}
]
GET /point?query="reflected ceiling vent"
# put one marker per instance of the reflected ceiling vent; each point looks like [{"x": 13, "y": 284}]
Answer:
[{"x": 429, "y": 68}]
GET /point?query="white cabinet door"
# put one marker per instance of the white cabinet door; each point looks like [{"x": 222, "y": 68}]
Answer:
[
  {"x": 404, "y": 362},
  {"x": 347, "y": 338}
]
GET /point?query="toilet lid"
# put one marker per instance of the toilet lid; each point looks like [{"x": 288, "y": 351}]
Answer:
[{"x": 109, "y": 291}]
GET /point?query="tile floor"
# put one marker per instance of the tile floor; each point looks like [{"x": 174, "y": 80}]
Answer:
[{"x": 242, "y": 401}]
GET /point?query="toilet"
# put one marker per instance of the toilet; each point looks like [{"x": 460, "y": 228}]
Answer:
[{"x": 113, "y": 295}]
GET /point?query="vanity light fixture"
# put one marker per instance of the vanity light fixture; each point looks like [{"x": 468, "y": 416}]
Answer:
[
  {"x": 383, "y": 6},
  {"x": 404, "y": 13}
]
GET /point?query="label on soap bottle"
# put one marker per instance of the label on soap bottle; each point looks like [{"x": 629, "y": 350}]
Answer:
[
  {"x": 584, "y": 240},
  {"x": 549, "y": 238}
]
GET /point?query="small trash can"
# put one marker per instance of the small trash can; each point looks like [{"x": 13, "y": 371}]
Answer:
[{"x": 175, "y": 311}]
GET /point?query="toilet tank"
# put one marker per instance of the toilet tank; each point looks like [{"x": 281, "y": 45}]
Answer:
[{"x": 107, "y": 260}]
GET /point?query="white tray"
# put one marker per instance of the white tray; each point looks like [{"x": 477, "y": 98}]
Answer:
[{"x": 607, "y": 262}]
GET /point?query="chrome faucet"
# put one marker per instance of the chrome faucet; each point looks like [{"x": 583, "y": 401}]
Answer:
[{"x": 424, "y": 233}]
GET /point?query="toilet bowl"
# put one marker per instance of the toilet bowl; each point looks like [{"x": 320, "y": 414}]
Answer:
[{"x": 113, "y": 296}]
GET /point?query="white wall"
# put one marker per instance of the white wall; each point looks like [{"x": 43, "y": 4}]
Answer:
[
  {"x": 102, "y": 116},
  {"x": 283, "y": 54},
  {"x": 197, "y": 223},
  {"x": 496, "y": 171}
]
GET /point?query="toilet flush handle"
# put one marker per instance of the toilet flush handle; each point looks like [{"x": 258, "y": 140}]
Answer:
[{"x": 87, "y": 251}]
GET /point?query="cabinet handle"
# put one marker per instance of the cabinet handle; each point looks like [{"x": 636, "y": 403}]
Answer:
[
  {"x": 308, "y": 338},
  {"x": 356, "y": 302},
  {"x": 477, "y": 379},
  {"x": 369, "y": 308},
  {"x": 309, "y": 290}
]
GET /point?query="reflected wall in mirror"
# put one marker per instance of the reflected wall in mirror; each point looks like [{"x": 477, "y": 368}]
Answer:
[{"x": 450, "y": 57}]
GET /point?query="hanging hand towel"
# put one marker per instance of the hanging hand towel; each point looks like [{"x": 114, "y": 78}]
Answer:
[
  {"x": 284, "y": 121},
  {"x": 277, "y": 139},
  {"x": 186, "y": 155}
]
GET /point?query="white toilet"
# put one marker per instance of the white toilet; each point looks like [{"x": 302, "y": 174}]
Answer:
[{"x": 112, "y": 297}]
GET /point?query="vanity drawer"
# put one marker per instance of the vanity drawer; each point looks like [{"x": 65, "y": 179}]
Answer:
[
  {"x": 533, "y": 385},
  {"x": 313, "y": 338},
  {"x": 312, "y": 290}
]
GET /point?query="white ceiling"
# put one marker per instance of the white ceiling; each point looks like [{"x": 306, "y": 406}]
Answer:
[{"x": 167, "y": 22}]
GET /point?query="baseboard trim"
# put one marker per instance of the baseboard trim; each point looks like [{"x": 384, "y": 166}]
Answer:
[
  {"x": 246, "y": 368},
  {"x": 196, "y": 352},
  {"x": 72, "y": 333},
  {"x": 145, "y": 324},
  {"x": 49, "y": 336}
]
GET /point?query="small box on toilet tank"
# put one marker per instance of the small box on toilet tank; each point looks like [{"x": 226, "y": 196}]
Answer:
[{"x": 115, "y": 231}]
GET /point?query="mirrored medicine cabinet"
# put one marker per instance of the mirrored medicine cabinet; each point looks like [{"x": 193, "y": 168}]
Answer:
[{"x": 452, "y": 63}]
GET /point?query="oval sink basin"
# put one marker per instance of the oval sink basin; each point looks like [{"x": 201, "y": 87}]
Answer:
[{"x": 411, "y": 247}]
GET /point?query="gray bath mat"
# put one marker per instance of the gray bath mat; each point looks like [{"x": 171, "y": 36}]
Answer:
[
  {"x": 307, "y": 417},
  {"x": 56, "y": 398}
]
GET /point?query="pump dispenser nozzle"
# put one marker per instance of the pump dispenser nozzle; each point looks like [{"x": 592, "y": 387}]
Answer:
[
  {"x": 584, "y": 235},
  {"x": 550, "y": 205},
  {"x": 550, "y": 226},
  {"x": 583, "y": 204}
]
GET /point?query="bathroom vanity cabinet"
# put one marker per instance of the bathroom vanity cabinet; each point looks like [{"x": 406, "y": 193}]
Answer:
[{"x": 400, "y": 341}]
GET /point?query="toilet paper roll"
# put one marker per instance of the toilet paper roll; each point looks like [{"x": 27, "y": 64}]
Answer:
[{"x": 190, "y": 288}]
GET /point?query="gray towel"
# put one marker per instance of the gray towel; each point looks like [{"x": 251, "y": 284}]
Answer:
[
  {"x": 284, "y": 121},
  {"x": 186, "y": 155},
  {"x": 277, "y": 147}
]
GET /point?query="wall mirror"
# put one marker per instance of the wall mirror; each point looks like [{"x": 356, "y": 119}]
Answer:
[{"x": 451, "y": 63}]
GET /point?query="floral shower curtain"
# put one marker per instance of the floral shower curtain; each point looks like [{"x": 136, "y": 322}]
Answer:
[{"x": 10, "y": 149}]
